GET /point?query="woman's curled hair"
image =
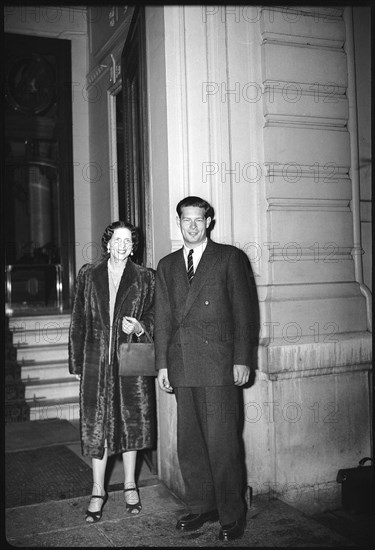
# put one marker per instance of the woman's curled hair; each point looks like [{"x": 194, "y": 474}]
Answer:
[{"x": 110, "y": 229}]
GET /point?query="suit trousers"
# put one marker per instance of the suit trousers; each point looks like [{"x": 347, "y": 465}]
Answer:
[{"x": 209, "y": 451}]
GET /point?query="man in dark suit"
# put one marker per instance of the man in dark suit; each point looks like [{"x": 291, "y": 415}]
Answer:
[{"x": 203, "y": 326}]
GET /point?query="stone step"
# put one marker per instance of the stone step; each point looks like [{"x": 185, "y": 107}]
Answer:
[
  {"x": 41, "y": 343},
  {"x": 46, "y": 409},
  {"x": 48, "y": 336},
  {"x": 59, "y": 388},
  {"x": 49, "y": 370},
  {"x": 40, "y": 322},
  {"x": 42, "y": 354}
]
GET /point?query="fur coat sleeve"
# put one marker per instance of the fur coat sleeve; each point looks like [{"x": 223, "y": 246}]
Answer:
[{"x": 77, "y": 327}]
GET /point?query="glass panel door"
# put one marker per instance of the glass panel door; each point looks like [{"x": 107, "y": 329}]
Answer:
[{"x": 38, "y": 183}]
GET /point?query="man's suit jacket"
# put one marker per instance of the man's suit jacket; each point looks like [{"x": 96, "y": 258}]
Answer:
[{"x": 201, "y": 330}]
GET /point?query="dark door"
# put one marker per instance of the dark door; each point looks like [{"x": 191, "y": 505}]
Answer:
[
  {"x": 38, "y": 184},
  {"x": 133, "y": 182},
  {"x": 133, "y": 174}
]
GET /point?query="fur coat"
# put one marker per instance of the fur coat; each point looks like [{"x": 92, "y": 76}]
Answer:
[{"x": 118, "y": 409}]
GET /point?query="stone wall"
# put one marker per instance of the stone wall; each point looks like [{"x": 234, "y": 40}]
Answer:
[{"x": 258, "y": 108}]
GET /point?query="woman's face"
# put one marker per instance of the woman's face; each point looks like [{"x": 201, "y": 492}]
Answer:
[{"x": 121, "y": 244}]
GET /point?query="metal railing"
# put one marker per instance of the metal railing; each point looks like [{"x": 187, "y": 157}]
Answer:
[{"x": 9, "y": 269}]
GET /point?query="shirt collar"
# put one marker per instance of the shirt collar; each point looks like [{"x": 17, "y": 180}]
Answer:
[{"x": 198, "y": 249}]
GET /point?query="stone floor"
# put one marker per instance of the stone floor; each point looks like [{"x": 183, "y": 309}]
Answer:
[{"x": 270, "y": 522}]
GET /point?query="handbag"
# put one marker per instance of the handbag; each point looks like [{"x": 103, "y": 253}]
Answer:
[
  {"x": 357, "y": 488},
  {"x": 137, "y": 358}
]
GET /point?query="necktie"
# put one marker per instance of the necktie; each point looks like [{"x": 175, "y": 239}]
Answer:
[{"x": 190, "y": 270}]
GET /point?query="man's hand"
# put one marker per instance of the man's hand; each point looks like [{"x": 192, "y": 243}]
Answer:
[
  {"x": 164, "y": 381},
  {"x": 241, "y": 374}
]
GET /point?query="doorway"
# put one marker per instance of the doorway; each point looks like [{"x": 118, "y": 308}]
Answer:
[
  {"x": 133, "y": 180},
  {"x": 132, "y": 150},
  {"x": 38, "y": 183}
]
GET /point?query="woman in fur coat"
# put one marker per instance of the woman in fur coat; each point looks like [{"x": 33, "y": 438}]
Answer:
[{"x": 114, "y": 299}]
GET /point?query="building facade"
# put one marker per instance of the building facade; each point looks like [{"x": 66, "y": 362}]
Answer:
[{"x": 264, "y": 111}]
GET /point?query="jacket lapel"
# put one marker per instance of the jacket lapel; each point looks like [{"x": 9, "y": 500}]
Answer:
[
  {"x": 180, "y": 274},
  {"x": 129, "y": 277},
  {"x": 207, "y": 263},
  {"x": 100, "y": 282},
  {"x": 180, "y": 281}
]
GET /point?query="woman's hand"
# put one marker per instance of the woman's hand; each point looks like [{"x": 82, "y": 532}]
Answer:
[{"x": 130, "y": 325}]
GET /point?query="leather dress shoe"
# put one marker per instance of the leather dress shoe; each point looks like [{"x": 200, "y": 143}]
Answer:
[
  {"x": 232, "y": 531},
  {"x": 191, "y": 522}
]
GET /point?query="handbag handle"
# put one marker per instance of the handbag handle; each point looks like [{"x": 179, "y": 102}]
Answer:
[
  {"x": 145, "y": 332},
  {"x": 363, "y": 460}
]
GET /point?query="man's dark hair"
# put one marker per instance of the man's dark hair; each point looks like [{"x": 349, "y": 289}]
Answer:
[{"x": 195, "y": 201}]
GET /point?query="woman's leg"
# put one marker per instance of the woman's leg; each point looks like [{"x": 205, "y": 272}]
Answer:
[
  {"x": 98, "y": 473},
  {"x": 129, "y": 459}
]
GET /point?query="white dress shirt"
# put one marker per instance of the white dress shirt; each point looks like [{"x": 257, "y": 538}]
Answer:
[{"x": 198, "y": 251}]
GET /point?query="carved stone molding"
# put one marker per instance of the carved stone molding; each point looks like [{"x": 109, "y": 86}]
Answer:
[
  {"x": 325, "y": 173},
  {"x": 312, "y": 27},
  {"x": 327, "y": 253},
  {"x": 305, "y": 122},
  {"x": 116, "y": 40},
  {"x": 113, "y": 16},
  {"x": 301, "y": 41},
  {"x": 331, "y": 205},
  {"x": 312, "y": 291},
  {"x": 115, "y": 70},
  {"x": 319, "y": 13},
  {"x": 47, "y": 21},
  {"x": 219, "y": 122},
  {"x": 333, "y": 354},
  {"x": 340, "y": 370},
  {"x": 311, "y": 45},
  {"x": 177, "y": 119},
  {"x": 96, "y": 74},
  {"x": 320, "y": 91}
]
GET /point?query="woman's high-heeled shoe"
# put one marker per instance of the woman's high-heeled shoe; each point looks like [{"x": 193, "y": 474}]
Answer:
[
  {"x": 133, "y": 508},
  {"x": 96, "y": 516}
]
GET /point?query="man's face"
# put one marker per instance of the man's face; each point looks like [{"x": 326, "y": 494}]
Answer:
[{"x": 193, "y": 225}]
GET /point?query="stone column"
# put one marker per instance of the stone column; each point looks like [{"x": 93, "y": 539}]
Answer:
[
  {"x": 257, "y": 121},
  {"x": 312, "y": 396}
]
